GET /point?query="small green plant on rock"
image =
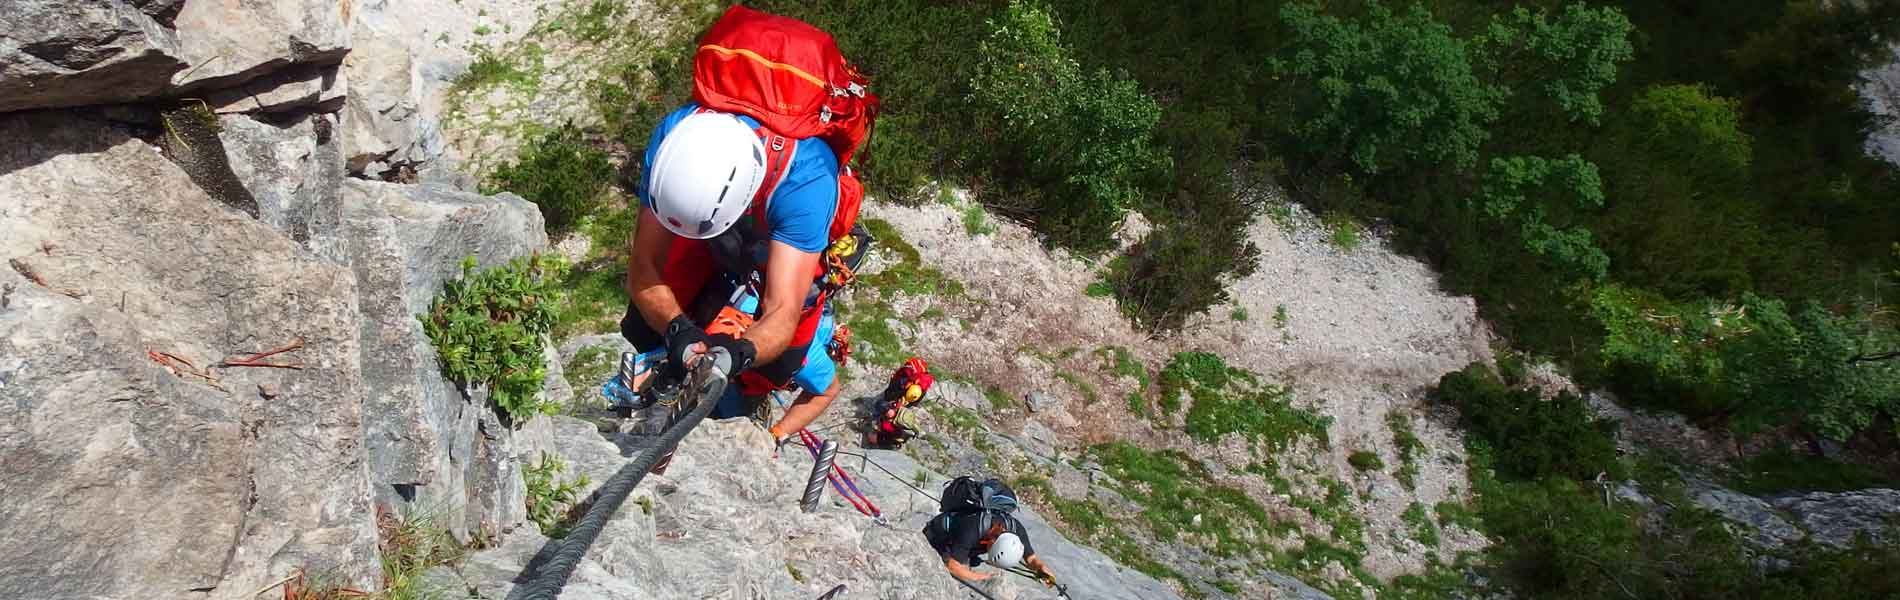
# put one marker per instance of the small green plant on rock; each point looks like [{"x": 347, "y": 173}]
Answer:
[
  {"x": 551, "y": 500},
  {"x": 411, "y": 544},
  {"x": 1365, "y": 460},
  {"x": 975, "y": 221},
  {"x": 1345, "y": 233},
  {"x": 1423, "y": 529},
  {"x": 1409, "y": 447},
  {"x": 487, "y": 328},
  {"x": 1232, "y": 400}
]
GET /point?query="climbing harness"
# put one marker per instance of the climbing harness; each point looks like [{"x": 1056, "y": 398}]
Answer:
[{"x": 707, "y": 382}]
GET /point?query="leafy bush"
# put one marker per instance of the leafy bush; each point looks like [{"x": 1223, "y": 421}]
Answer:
[
  {"x": 1518, "y": 190},
  {"x": 1088, "y": 137},
  {"x": 560, "y": 173},
  {"x": 1167, "y": 276},
  {"x": 551, "y": 500},
  {"x": 1537, "y": 437},
  {"x": 1385, "y": 91},
  {"x": 1365, "y": 460},
  {"x": 1566, "y": 59},
  {"x": 1751, "y": 362},
  {"x": 487, "y": 328}
]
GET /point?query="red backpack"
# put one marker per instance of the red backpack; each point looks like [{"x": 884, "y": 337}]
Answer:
[{"x": 791, "y": 77}]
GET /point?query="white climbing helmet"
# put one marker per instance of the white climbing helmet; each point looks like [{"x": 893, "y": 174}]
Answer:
[
  {"x": 705, "y": 174},
  {"x": 1006, "y": 551}
]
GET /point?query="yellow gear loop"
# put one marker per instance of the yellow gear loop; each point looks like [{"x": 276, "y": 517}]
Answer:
[
  {"x": 837, "y": 274},
  {"x": 845, "y": 246}
]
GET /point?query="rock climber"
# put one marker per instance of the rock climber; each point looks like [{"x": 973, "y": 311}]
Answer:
[
  {"x": 744, "y": 225},
  {"x": 892, "y": 421},
  {"x": 911, "y": 379},
  {"x": 701, "y": 174},
  {"x": 976, "y": 526}
]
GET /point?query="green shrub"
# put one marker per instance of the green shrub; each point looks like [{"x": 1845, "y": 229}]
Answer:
[
  {"x": 1187, "y": 371},
  {"x": 551, "y": 499},
  {"x": 1344, "y": 232},
  {"x": 1172, "y": 489},
  {"x": 1365, "y": 460},
  {"x": 1409, "y": 447},
  {"x": 1166, "y": 277},
  {"x": 1751, "y": 362},
  {"x": 1538, "y": 437},
  {"x": 1085, "y": 139},
  {"x": 1515, "y": 192},
  {"x": 1782, "y": 471},
  {"x": 1423, "y": 529},
  {"x": 1386, "y": 91},
  {"x": 1566, "y": 59},
  {"x": 487, "y": 328},
  {"x": 1230, "y": 400},
  {"x": 975, "y": 221},
  {"x": 560, "y": 173}
]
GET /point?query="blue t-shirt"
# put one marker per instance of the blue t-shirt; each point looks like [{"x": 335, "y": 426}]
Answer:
[{"x": 799, "y": 211}]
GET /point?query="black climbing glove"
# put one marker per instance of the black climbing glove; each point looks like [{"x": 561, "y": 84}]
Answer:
[
  {"x": 742, "y": 350},
  {"x": 681, "y": 334}
]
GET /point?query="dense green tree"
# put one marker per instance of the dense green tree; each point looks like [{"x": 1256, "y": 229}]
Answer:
[
  {"x": 1679, "y": 217},
  {"x": 1566, "y": 59},
  {"x": 1555, "y": 437},
  {"x": 1385, "y": 91},
  {"x": 1088, "y": 134},
  {"x": 1519, "y": 190},
  {"x": 1752, "y": 363}
]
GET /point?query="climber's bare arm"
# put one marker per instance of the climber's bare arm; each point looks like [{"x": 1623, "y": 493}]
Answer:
[
  {"x": 646, "y": 259},
  {"x": 788, "y": 277}
]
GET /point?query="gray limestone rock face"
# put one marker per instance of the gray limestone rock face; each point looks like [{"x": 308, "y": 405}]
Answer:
[
  {"x": 724, "y": 522},
  {"x": 961, "y": 395},
  {"x": 428, "y": 442},
  {"x": 67, "y": 52},
  {"x": 135, "y": 465},
  {"x": 59, "y": 53},
  {"x": 1836, "y": 519},
  {"x": 399, "y": 71},
  {"x": 229, "y": 43},
  {"x": 1767, "y": 528},
  {"x": 294, "y": 171}
]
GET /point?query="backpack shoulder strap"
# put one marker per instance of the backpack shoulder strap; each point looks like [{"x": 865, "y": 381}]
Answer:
[{"x": 779, "y": 153}]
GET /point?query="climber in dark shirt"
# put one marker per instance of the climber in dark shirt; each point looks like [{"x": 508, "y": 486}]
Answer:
[{"x": 964, "y": 542}]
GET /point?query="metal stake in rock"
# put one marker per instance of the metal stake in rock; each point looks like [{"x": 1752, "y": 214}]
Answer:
[{"x": 815, "y": 486}]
